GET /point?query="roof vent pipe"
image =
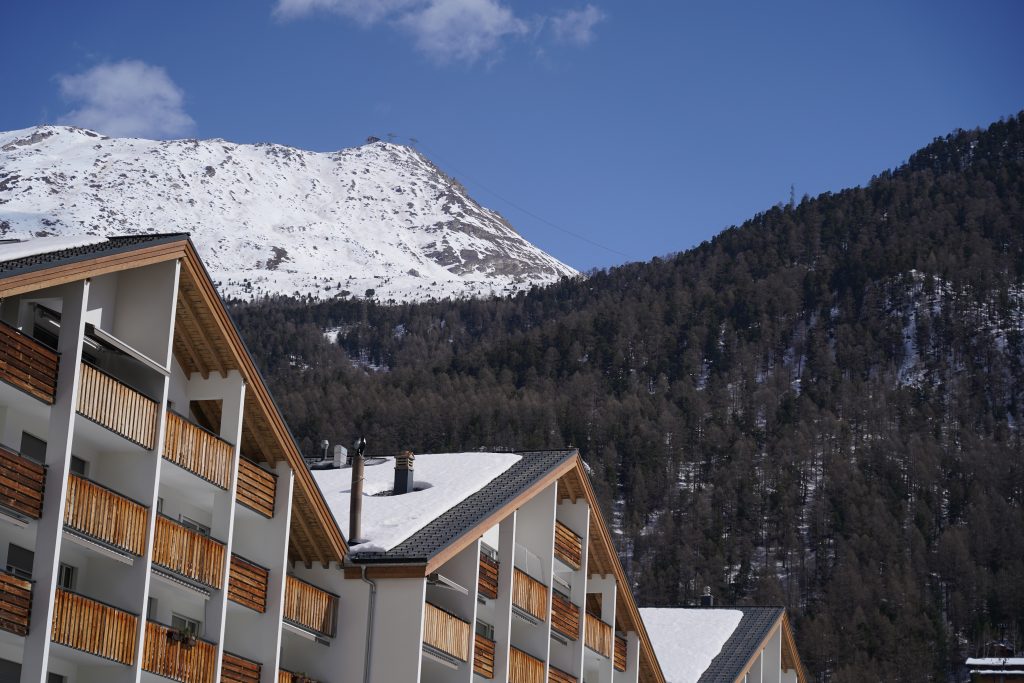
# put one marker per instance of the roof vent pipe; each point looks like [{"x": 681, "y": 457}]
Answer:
[
  {"x": 707, "y": 600},
  {"x": 403, "y": 473},
  {"x": 355, "y": 510},
  {"x": 340, "y": 456}
]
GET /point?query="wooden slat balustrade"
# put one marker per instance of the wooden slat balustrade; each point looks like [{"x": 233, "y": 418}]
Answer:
[
  {"x": 170, "y": 659},
  {"x": 15, "y": 603},
  {"x": 28, "y": 364},
  {"x": 568, "y": 546},
  {"x": 256, "y": 487},
  {"x": 117, "y": 406},
  {"x": 290, "y": 677},
  {"x": 236, "y": 669},
  {"x": 446, "y": 632},
  {"x": 94, "y": 627},
  {"x": 197, "y": 450},
  {"x": 247, "y": 584},
  {"x": 483, "y": 657},
  {"x": 558, "y": 676},
  {"x": 21, "y": 483},
  {"x": 598, "y": 635},
  {"x": 620, "y": 653},
  {"x": 565, "y": 616},
  {"x": 487, "y": 583},
  {"x": 523, "y": 668},
  {"x": 96, "y": 511},
  {"x": 529, "y": 594},
  {"x": 188, "y": 552},
  {"x": 311, "y": 607}
]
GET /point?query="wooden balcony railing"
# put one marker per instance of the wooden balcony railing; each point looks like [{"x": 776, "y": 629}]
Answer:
[
  {"x": 247, "y": 584},
  {"x": 529, "y": 594},
  {"x": 21, "y": 483},
  {"x": 28, "y": 364},
  {"x": 15, "y": 603},
  {"x": 559, "y": 676},
  {"x": 235, "y": 669},
  {"x": 96, "y": 511},
  {"x": 483, "y": 657},
  {"x": 523, "y": 668},
  {"x": 256, "y": 487},
  {"x": 446, "y": 632},
  {"x": 188, "y": 552},
  {"x": 290, "y": 677},
  {"x": 117, "y": 406},
  {"x": 565, "y": 616},
  {"x": 310, "y": 607},
  {"x": 94, "y": 627},
  {"x": 164, "y": 656},
  {"x": 199, "y": 451},
  {"x": 598, "y": 635},
  {"x": 487, "y": 584},
  {"x": 620, "y": 653},
  {"x": 568, "y": 546}
]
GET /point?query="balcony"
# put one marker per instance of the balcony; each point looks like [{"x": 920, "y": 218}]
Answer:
[
  {"x": 198, "y": 450},
  {"x": 164, "y": 654},
  {"x": 568, "y": 546},
  {"x": 21, "y": 484},
  {"x": 620, "y": 653},
  {"x": 235, "y": 669},
  {"x": 256, "y": 487},
  {"x": 94, "y": 627},
  {"x": 247, "y": 584},
  {"x": 105, "y": 515},
  {"x": 290, "y": 677},
  {"x": 487, "y": 584},
  {"x": 15, "y": 603},
  {"x": 28, "y": 364},
  {"x": 188, "y": 553},
  {"x": 524, "y": 668},
  {"x": 445, "y": 632},
  {"x": 483, "y": 657},
  {"x": 598, "y": 636},
  {"x": 565, "y": 616},
  {"x": 310, "y": 607},
  {"x": 115, "y": 405},
  {"x": 559, "y": 676},
  {"x": 529, "y": 594}
]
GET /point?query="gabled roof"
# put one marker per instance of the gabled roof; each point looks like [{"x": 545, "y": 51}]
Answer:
[{"x": 205, "y": 341}]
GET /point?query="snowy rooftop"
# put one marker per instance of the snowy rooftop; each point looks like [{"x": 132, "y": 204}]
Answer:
[
  {"x": 686, "y": 640},
  {"x": 44, "y": 245},
  {"x": 449, "y": 478},
  {"x": 996, "y": 661}
]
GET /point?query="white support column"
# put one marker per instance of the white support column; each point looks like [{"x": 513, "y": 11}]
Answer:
[
  {"x": 605, "y": 585},
  {"x": 267, "y": 643},
  {"x": 535, "y": 531},
  {"x": 503, "y": 605},
  {"x": 50, "y": 527}
]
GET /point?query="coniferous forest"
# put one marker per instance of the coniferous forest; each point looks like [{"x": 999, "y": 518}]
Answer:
[{"x": 820, "y": 408}]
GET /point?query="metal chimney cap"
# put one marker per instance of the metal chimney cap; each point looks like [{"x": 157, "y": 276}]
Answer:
[{"x": 404, "y": 460}]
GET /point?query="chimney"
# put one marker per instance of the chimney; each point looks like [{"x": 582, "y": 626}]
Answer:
[
  {"x": 355, "y": 510},
  {"x": 403, "y": 473},
  {"x": 340, "y": 456},
  {"x": 707, "y": 600}
]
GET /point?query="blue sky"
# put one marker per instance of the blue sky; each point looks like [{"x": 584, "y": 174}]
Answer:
[{"x": 643, "y": 128}]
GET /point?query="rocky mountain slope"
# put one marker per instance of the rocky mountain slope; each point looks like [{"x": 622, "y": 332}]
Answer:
[{"x": 270, "y": 219}]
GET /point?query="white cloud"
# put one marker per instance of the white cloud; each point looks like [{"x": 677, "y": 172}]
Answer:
[
  {"x": 126, "y": 99},
  {"x": 577, "y": 26},
  {"x": 450, "y": 30}
]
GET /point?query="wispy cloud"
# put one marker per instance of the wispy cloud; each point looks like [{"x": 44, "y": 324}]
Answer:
[
  {"x": 577, "y": 26},
  {"x": 451, "y": 30},
  {"x": 126, "y": 99}
]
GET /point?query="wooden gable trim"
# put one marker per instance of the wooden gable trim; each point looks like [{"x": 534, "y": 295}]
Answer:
[{"x": 790, "y": 654}]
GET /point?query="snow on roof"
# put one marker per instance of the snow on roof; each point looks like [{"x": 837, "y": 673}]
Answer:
[
  {"x": 996, "y": 661},
  {"x": 449, "y": 478},
  {"x": 687, "y": 640},
  {"x": 44, "y": 245}
]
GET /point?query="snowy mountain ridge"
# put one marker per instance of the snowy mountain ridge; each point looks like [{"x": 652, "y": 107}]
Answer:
[{"x": 271, "y": 219}]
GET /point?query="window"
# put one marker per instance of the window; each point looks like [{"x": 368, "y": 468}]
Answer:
[
  {"x": 488, "y": 551},
  {"x": 55, "y": 678},
  {"x": 484, "y": 629},
  {"x": 19, "y": 561},
  {"x": 67, "y": 576},
  {"x": 32, "y": 447},
  {"x": 78, "y": 466},
  {"x": 185, "y": 624},
  {"x": 195, "y": 526},
  {"x": 160, "y": 505},
  {"x": 151, "y": 608}
]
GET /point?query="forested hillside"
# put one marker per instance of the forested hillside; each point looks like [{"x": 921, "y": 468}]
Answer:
[{"x": 821, "y": 407}]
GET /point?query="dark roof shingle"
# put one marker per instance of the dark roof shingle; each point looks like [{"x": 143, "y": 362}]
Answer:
[
  {"x": 744, "y": 641},
  {"x": 113, "y": 245}
]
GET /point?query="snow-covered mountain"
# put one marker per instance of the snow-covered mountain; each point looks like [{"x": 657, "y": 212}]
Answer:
[{"x": 273, "y": 219}]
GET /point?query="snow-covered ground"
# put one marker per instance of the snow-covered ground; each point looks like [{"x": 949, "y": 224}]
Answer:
[
  {"x": 687, "y": 640},
  {"x": 272, "y": 219},
  {"x": 450, "y": 478}
]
